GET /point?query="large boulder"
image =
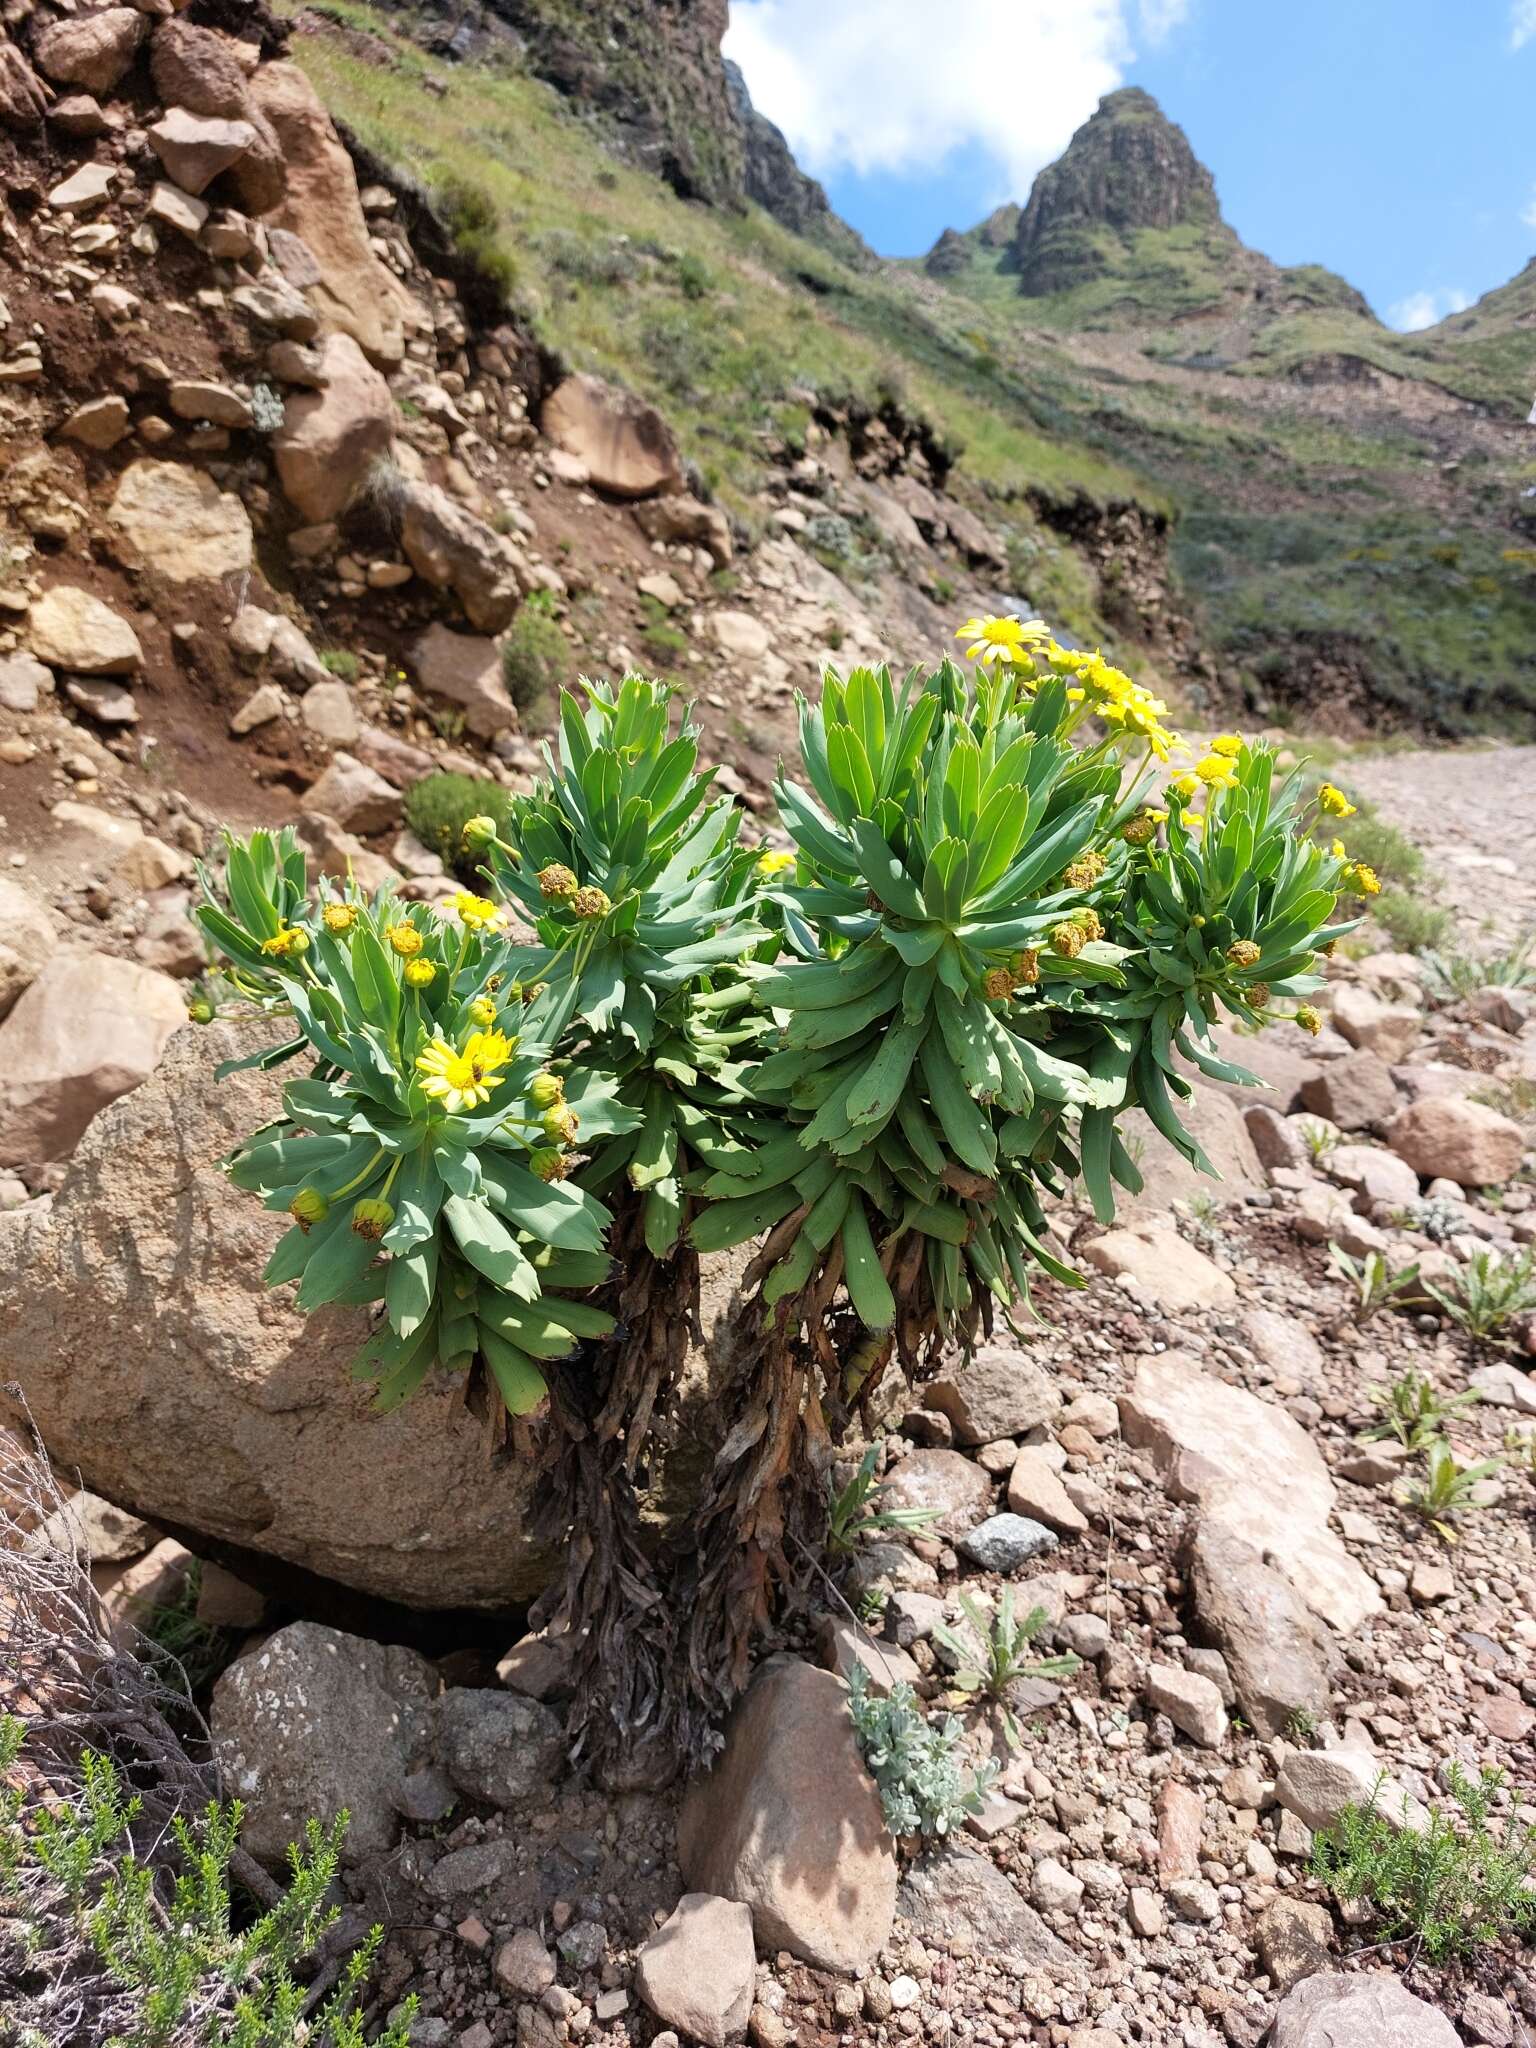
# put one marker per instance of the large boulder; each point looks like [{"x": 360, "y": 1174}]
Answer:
[
  {"x": 1254, "y": 1472},
  {"x": 70, "y": 628},
  {"x": 27, "y": 942},
  {"x": 1167, "y": 1268},
  {"x": 87, "y": 1030},
  {"x": 1362, "y": 2010},
  {"x": 195, "y": 70},
  {"x": 181, "y": 524},
  {"x": 93, "y": 51},
  {"x": 154, "y": 1359},
  {"x": 355, "y": 294},
  {"x": 466, "y": 669},
  {"x": 330, "y": 439},
  {"x": 789, "y": 1823},
  {"x": 451, "y": 549},
  {"x": 1277, "y": 1651},
  {"x": 626, "y": 445},
  {"x": 1447, "y": 1137},
  {"x": 315, "y": 1723}
]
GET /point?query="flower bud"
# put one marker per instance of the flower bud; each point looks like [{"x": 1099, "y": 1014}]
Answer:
[
  {"x": 560, "y": 1124},
  {"x": 1025, "y": 967},
  {"x": 545, "y": 1090},
  {"x": 482, "y": 1011},
  {"x": 997, "y": 984},
  {"x": 1138, "y": 831},
  {"x": 1068, "y": 939},
  {"x": 1087, "y": 921},
  {"x": 298, "y": 944},
  {"x": 371, "y": 1217},
  {"x": 201, "y": 1011},
  {"x": 1309, "y": 1019},
  {"x": 339, "y": 917},
  {"x": 590, "y": 903},
  {"x": 547, "y": 1163},
  {"x": 308, "y": 1208},
  {"x": 405, "y": 939},
  {"x": 557, "y": 881},
  {"x": 420, "y": 973},
  {"x": 1087, "y": 869},
  {"x": 1243, "y": 953},
  {"x": 1257, "y": 993},
  {"x": 479, "y": 831}
]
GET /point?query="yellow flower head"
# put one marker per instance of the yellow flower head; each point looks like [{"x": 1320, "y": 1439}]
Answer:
[
  {"x": 405, "y": 939},
  {"x": 288, "y": 944},
  {"x": 420, "y": 973},
  {"x": 1227, "y": 743},
  {"x": 339, "y": 917},
  {"x": 1338, "y": 850},
  {"x": 1135, "y": 710},
  {"x": 1216, "y": 771},
  {"x": 1362, "y": 879},
  {"x": 482, "y": 1011},
  {"x": 1187, "y": 785},
  {"x": 771, "y": 863},
  {"x": 1309, "y": 1019},
  {"x": 1333, "y": 803},
  {"x": 1087, "y": 869},
  {"x": 462, "y": 1080},
  {"x": 1007, "y": 640},
  {"x": 478, "y": 912}
]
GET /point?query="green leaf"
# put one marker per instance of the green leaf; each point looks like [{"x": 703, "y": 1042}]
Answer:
[{"x": 490, "y": 1247}]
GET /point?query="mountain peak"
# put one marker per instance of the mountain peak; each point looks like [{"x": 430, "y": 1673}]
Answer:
[{"x": 1128, "y": 167}]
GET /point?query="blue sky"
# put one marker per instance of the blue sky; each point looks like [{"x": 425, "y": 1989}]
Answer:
[{"x": 1392, "y": 140}]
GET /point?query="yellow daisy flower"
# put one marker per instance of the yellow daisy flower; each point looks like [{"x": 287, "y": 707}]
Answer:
[
  {"x": 464, "y": 1079},
  {"x": 1216, "y": 771},
  {"x": 478, "y": 912},
  {"x": 1333, "y": 803},
  {"x": 1227, "y": 743},
  {"x": 1007, "y": 639}
]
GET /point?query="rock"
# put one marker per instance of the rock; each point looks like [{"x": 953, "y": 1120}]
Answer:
[
  {"x": 195, "y": 148},
  {"x": 1431, "y": 1583},
  {"x": 1216, "y": 1122},
  {"x": 948, "y": 1486},
  {"x": 101, "y": 423},
  {"x": 87, "y": 1030},
  {"x": 260, "y": 708},
  {"x": 97, "y": 1531},
  {"x": 1377, "y": 1175},
  {"x": 1145, "y": 1913},
  {"x": 1192, "y": 1703},
  {"x": 1317, "y": 1784},
  {"x": 355, "y": 293},
  {"x": 740, "y": 634},
  {"x": 94, "y": 51},
  {"x": 199, "y": 399},
  {"x": 538, "y": 1666},
  {"x": 1357, "y": 1092},
  {"x": 1192, "y": 1898},
  {"x": 1282, "y": 1347},
  {"x": 451, "y": 549},
  {"x": 223, "y": 1601},
  {"x": 1276, "y": 1651},
  {"x": 313, "y": 1722},
  {"x": 354, "y": 796},
  {"x": 68, "y": 628},
  {"x": 156, "y": 1362},
  {"x": 1292, "y": 1939},
  {"x": 329, "y": 711},
  {"x": 1449, "y": 1137},
  {"x": 392, "y": 757},
  {"x": 1035, "y": 1490},
  {"x": 1501, "y": 1385},
  {"x": 274, "y": 303},
  {"x": 1322, "y": 1215},
  {"x": 525, "y": 1965},
  {"x": 1254, "y": 1470},
  {"x": 181, "y": 524},
  {"x": 23, "y": 682},
  {"x": 157, "y": 1580},
  {"x": 664, "y": 587},
  {"x": 626, "y": 444},
  {"x": 1390, "y": 1030},
  {"x": 1003, "y": 1542},
  {"x": 677, "y": 517},
  {"x": 999, "y": 1392},
  {"x": 1274, "y": 1138},
  {"x": 845, "y": 1644},
  {"x": 197, "y": 68},
  {"x": 27, "y": 942},
  {"x": 789, "y": 1823},
  {"x": 697, "y": 1972},
  {"x": 1054, "y": 1889},
  {"x": 496, "y": 1746},
  {"x": 331, "y": 439},
  {"x": 1363, "y": 2010},
  {"x": 108, "y": 703},
  {"x": 1166, "y": 1267},
  {"x": 465, "y": 669},
  {"x": 88, "y": 188},
  {"x": 951, "y": 1893},
  {"x": 1180, "y": 1826},
  {"x": 170, "y": 207}
]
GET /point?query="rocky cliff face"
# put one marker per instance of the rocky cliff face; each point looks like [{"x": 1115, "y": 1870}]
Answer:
[{"x": 1127, "y": 167}]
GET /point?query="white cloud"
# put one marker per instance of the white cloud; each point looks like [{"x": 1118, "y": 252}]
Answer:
[
  {"x": 1424, "y": 309},
  {"x": 1528, "y": 211},
  {"x": 1522, "y": 23},
  {"x": 895, "y": 85}
]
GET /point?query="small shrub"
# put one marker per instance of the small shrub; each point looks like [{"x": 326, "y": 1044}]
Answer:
[
  {"x": 1460, "y": 974},
  {"x": 1377, "y": 1285},
  {"x": 267, "y": 411},
  {"x": 1412, "y": 924},
  {"x": 1413, "y": 1412},
  {"x": 473, "y": 222},
  {"x": 1445, "y": 1493},
  {"x": 342, "y": 663},
  {"x": 174, "y": 1635},
  {"x": 830, "y": 537},
  {"x": 535, "y": 660},
  {"x": 695, "y": 280},
  {"x": 995, "y": 1653},
  {"x": 1457, "y": 1886},
  {"x": 853, "y": 1511},
  {"x": 439, "y": 806},
  {"x": 915, "y": 1762},
  {"x": 1488, "y": 1292},
  {"x": 1319, "y": 1138},
  {"x": 664, "y": 642},
  {"x": 155, "y": 1950}
]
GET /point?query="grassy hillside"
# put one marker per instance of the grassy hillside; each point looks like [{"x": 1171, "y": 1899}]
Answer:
[{"x": 1347, "y": 500}]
